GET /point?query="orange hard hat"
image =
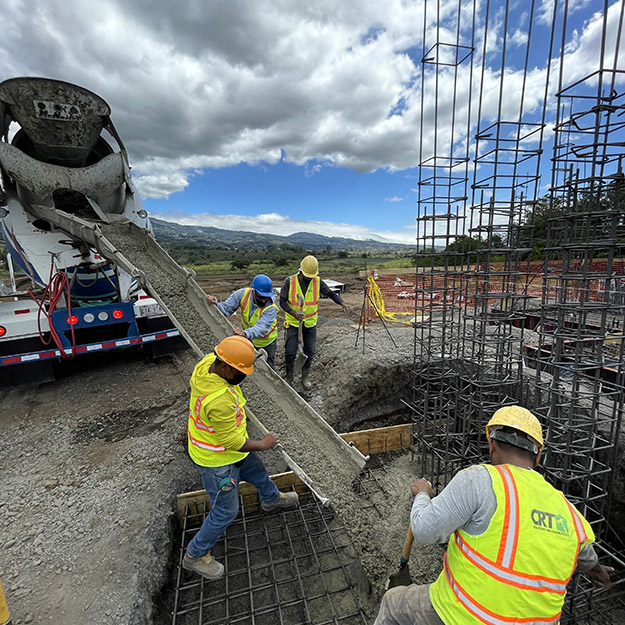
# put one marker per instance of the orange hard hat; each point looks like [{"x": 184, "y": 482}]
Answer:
[{"x": 237, "y": 352}]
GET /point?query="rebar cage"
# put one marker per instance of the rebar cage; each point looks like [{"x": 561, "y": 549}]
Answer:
[{"x": 520, "y": 279}]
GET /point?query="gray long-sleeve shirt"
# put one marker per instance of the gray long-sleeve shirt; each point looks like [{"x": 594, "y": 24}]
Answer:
[
  {"x": 265, "y": 321},
  {"x": 468, "y": 502}
]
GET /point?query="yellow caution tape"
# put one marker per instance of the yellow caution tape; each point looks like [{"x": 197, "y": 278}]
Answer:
[{"x": 378, "y": 303}]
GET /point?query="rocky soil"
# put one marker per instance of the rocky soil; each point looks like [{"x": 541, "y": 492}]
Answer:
[{"x": 90, "y": 466}]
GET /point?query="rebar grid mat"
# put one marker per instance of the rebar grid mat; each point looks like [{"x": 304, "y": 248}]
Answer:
[{"x": 290, "y": 567}]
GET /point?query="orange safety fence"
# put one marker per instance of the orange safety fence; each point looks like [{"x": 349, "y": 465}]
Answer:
[{"x": 404, "y": 293}]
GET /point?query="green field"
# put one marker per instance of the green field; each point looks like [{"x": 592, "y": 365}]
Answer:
[
  {"x": 246, "y": 264},
  {"x": 270, "y": 261}
]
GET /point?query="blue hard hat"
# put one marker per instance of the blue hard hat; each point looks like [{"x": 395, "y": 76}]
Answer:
[{"x": 262, "y": 285}]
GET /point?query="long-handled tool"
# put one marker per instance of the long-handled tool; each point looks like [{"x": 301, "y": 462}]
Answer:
[
  {"x": 300, "y": 358},
  {"x": 402, "y": 576}
]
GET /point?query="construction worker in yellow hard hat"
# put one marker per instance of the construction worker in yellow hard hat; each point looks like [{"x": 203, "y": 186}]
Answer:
[
  {"x": 514, "y": 540},
  {"x": 299, "y": 298},
  {"x": 219, "y": 445}
]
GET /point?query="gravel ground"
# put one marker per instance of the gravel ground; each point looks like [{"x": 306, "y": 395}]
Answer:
[{"x": 90, "y": 466}]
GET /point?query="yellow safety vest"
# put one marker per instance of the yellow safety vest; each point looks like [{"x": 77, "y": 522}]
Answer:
[
  {"x": 515, "y": 572},
  {"x": 248, "y": 322},
  {"x": 204, "y": 446},
  {"x": 311, "y": 302}
]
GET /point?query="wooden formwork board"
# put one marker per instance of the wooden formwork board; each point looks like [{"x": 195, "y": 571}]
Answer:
[{"x": 368, "y": 442}]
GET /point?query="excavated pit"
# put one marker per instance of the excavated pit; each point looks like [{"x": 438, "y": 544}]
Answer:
[
  {"x": 330, "y": 469},
  {"x": 298, "y": 566}
]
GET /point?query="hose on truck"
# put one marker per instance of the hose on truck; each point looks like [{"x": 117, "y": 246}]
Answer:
[{"x": 58, "y": 283}]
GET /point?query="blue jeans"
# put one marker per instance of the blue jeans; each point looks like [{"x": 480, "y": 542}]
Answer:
[{"x": 225, "y": 504}]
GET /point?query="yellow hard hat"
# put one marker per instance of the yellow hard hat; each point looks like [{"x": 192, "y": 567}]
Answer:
[
  {"x": 517, "y": 418},
  {"x": 237, "y": 352},
  {"x": 309, "y": 266}
]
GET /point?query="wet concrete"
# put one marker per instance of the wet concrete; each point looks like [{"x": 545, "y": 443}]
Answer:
[{"x": 378, "y": 540}]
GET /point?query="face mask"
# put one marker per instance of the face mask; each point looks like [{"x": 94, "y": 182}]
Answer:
[
  {"x": 237, "y": 379},
  {"x": 260, "y": 301}
]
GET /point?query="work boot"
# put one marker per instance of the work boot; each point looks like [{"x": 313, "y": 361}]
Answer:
[
  {"x": 306, "y": 383},
  {"x": 289, "y": 374},
  {"x": 206, "y": 566},
  {"x": 287, "y": 500}
]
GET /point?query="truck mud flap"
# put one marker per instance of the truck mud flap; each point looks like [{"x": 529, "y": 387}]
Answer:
[{"x": 27, "y": 373}]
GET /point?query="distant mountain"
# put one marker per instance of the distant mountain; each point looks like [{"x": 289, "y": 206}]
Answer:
[{"x": 169, "y": 232}]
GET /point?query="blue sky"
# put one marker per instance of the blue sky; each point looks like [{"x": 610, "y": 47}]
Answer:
[
  {"x": 275, "y": 116},
  {"x": 329, "y": 195}
]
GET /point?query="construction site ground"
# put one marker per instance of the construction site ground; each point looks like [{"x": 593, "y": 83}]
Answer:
[{"x": 90, "y": 465}]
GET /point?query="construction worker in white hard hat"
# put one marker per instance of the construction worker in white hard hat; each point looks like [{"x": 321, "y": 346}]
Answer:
[
  {"x": 259, "y": 314},
  {"x": 514, "y": 540},
  {"x": 219, "y": 446},
  {"x": 299, "y": 298}
]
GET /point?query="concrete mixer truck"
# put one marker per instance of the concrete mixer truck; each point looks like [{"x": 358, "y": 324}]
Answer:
[{"x": 60, "y": 154}]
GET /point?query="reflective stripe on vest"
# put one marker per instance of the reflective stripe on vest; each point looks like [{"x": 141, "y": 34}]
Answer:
[
  {"x": 580, "y": 530},
  {"x": 483, "y": 614},
  {"x": 248, "y": 322},
  {"x": 485, "y": 578},
  {"x": 510, "y": 530},
  {"x": 201, "y": 434},
  {"x": 508, "y": 576},
  {"x": 311, "y": 301}
]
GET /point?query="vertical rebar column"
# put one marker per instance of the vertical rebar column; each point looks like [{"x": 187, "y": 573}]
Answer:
[
  {"x": 442, "y": 195},
  {"x": 506, "y": 175},
  {"x": 580, "y": 356},
  {"x": 580, "y": 363}
]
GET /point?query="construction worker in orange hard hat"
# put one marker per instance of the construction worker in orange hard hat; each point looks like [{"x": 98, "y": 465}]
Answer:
[
  {"x": 219, "y": 446},
  {"x": 299, "y": 298},
  {"x": 259, "y": 314},
  {"x": 514, "y": 540}
]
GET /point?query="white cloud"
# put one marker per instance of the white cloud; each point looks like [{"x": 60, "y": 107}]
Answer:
[
  {"x": 198, "y": 85},
  {"x": 394, "y": 199},
  {"x": 284, "y": 225},
  {"x": 545, "y": 10}
]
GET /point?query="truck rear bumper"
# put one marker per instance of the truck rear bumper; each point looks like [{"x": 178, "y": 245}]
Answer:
[{"x": 77, "y": 350}]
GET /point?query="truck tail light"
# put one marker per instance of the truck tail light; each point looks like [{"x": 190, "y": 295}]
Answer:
[
  {"x": 3, "y": 331},
  {"x": 72, "y": 320},
  {"x": 118, "y": 314}
]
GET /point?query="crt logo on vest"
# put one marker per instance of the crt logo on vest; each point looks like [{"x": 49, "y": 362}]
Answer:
[{"x": 550, "y": 522}]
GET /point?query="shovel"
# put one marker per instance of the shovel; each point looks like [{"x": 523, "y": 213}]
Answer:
[
  {"x": 402, "y": 576},
  {"x": 300, "y": 358}
]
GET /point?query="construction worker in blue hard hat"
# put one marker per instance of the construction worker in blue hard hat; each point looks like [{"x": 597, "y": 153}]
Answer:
[
  {"x": 514, "y": 540},
  {"x": 299, "y": 298},
  {"x": 259, "y": 314}
]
